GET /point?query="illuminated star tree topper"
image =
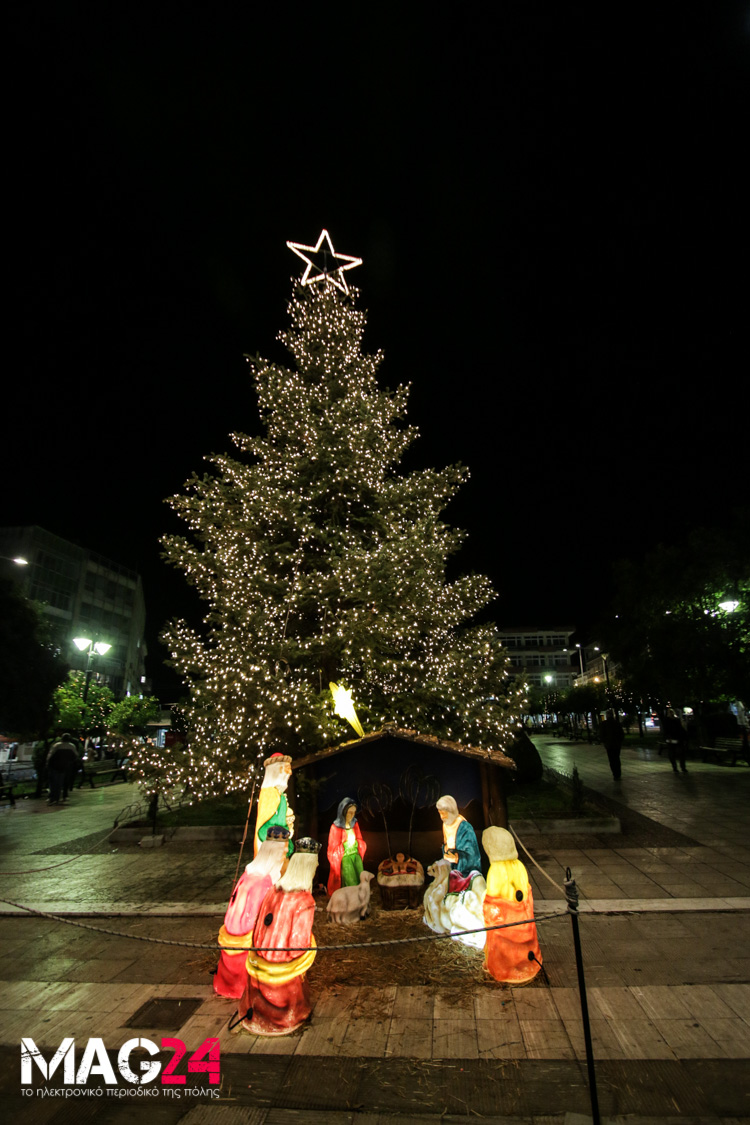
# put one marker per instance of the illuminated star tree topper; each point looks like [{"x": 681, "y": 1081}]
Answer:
[{"x": 323, "y": 263}]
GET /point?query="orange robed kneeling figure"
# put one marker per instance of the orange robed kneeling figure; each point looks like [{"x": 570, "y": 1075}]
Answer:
[
  {"x": 236, "y": 935},
  {"x": 276, "y": 999},
  {"x": 508, "y": 953}
]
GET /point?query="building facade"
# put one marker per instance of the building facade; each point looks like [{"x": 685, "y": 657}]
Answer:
[
  {"x": 84, "y": 595},
  {"x": 542, "y": 657}
]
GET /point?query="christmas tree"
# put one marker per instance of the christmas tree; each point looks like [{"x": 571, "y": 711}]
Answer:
[{"x": 320, "y": 562}]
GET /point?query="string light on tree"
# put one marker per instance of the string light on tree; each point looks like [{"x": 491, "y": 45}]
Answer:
[{"x": 320, "y": 561}]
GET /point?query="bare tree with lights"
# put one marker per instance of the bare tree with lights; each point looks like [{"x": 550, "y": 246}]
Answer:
[{"x": 318, "y": 561}]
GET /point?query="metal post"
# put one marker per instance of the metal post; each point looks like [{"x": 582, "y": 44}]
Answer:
[{"x": 571, "y": 894}]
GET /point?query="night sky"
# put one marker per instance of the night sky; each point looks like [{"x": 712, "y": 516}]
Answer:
[{"x": 552, "y": 209}]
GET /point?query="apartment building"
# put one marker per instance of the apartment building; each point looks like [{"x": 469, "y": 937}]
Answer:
[
  {"x": 542, "y": 656},
  {"x": 84, "y": 595}
]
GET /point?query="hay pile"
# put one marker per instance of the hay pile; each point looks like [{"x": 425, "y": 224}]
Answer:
[{"x": 441, "y": 962}]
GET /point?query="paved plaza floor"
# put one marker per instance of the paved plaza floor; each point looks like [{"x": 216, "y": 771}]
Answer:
[{"x": 664, "y": 929}]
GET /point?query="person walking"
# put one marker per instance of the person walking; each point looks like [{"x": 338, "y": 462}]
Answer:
[
  {"x": 612, "y": 736},
  {"x": 61, "y": 758},
  {"x": 676, "y": 738}
]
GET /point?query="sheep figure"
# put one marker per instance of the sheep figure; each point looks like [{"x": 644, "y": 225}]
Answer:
[
  {"x": 349, "y": 904},
  {"x": 453, "y": 912},
  {"x": 434, "y": 896}
]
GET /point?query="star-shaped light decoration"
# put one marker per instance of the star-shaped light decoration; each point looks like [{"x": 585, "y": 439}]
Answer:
[
  {"x": 343, "y": 705},
  {"x": 330, "y": 265}
]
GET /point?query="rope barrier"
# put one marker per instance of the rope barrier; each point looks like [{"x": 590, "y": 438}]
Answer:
[
  {"x": 528, "y": 853},
  {"x": 278, "y": 949}
]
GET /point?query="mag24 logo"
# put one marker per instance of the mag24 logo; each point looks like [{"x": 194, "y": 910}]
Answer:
[{"x": 95, "y": 1061}]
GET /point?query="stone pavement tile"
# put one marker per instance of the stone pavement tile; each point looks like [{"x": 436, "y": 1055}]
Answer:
[
  {"x": 46, "y": 968},
  {"x": 206, "y": 1023},
  {"x": 366, "y": 1038},
  {"x": 534, "y": 1004},
  {"x": 733, "y": 969},
  {"x": 546, "y": 1039},
  {"x": 500, "y": 1039},
  {"x": 733, "y": 1036},
  {"x": 688, "y": 1039},
  {"x": 182, "y": 990},
  {"x": 660, "y": 1002},
  {"x": 664, "y": 927},
  {"x": 604, "y": 1042},
  {"x": 560, "y": 974},
  {"x": 324, "y": 1036},
  {"x": 375, "y": 1002},
  {"x": 684, "y": 889},
  {"x": 60, "y": 995},
  {"x": 494, "y": 1003},
  {"x": 739, "y": 873},
  {"x": 454, "y": 1038},
  {"x": 450, "y": 1005},
  {"x": 629, "y": 873},
  {"x": 613, "y": 1003},
  {"x": 235, "y": 1042},
  {"x": 638, "y": 891},
  {"x": 338, "y": 1002},
  {"x": 641, "y": 1039},
  {"x": 702, "y": 1001},
  {"x": 155, "y": 972},
  {"x": 737, "y": 997},
  {"x": 416, "y": 1002},
  {"x": 409, "y": 1037},
  {"x": 567, "y": 1003},
  {"x": 19, "y": 994},
  {"x": 602, "y": 974},
  {"x": 99, "y": 970},
  {"x": 729, "y": 888},
  {"x": 268, "y": 1044}
]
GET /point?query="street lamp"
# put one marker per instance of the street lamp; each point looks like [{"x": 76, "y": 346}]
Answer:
[
  {"x": 580, "y": 656},
  {"x": 17, "y": 560},
  {"x": 99, "y": 647}
]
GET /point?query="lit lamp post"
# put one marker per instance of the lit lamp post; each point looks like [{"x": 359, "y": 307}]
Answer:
[
  {"x": 549, "y": 680},
  {"x": 580, "y": 657},
  {"x": 99, "y": 647}
]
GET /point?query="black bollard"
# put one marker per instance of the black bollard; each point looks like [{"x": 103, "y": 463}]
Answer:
[{"x": 571, "y": 894}]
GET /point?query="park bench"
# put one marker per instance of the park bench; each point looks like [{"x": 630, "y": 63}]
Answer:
[
  {"x": 726, "y": 750},
  {"x": 108, "y": 769}
]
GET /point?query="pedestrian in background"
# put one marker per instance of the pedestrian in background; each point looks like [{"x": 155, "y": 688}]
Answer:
[
  {"x": 612, "y": 737},
  {"x": 676, "y": 739},
  {"x": 61, "y": 759}
]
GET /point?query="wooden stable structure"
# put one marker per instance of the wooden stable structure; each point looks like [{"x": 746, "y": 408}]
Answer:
[{"x": 474, "y": 776}]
